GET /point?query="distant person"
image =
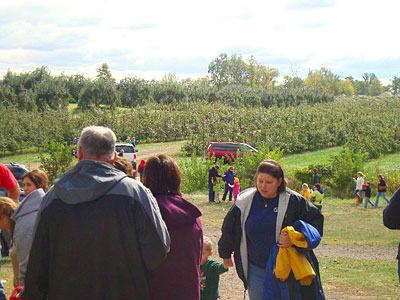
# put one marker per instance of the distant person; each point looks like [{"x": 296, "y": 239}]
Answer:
[
  {"x": 35, "y": 185},
  {"x": 367, "y": 192},
  {"x": 359, "y": 183},
  {"x": 316, "y": 177},
  {"x": 128, "y": 140},
  {"x": 229, "y": 179},
  {"x": 305, "y": 191},
  {"x": 317, "y": 196},
  {"x": 212, "y": 181},
  {"x": 178, "y": 275},
  {"x": 236, "y": 188},
  {"x": 134, "y": 142},
  {"x": 141, "y": 168},
  {"x": 75, "y": 140},
  {"x": 391, "y": 219},
  {"x": 382, "y": 187},
  {"x": 210, "y": 272},
  {"x": 98, "y": 232},
  {"x": 252, "y": 227}
]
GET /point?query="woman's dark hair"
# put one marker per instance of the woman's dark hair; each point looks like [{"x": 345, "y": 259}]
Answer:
[
  {"x": 162, "y": 175},
  {"x": 38, "y": 177},
  {"x": 273, "y": 168}
]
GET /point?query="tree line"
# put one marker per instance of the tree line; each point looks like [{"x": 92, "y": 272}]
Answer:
[{"x": 230, "y": 80}]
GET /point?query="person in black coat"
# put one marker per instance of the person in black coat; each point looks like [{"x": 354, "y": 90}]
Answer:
[{"x": 391, "y": 218}]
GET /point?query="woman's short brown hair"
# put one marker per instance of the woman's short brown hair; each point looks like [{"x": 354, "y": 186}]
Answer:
[
  {"x": 123, "y": 164},
  {"x": 7, "y": 206},
  {"x": 38, "y": 177},
  {"x": 162, "y": 175},
  {"x": 273, "y": 168}
]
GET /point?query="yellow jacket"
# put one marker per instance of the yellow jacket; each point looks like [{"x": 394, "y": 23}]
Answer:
[
  {"x": 289, "y": 259},
  {"x": 305, "y": 193}
]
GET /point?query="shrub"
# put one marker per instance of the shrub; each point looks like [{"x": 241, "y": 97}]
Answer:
[
  {"x": 345, "y": 166},
  {"x": 56, "y": 159}
]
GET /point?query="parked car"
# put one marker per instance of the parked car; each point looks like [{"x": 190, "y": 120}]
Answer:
[
  {"x": 228, "y": 150},
  {"x": 17, "y": 170},
  {"x": 127, "y": 150}
]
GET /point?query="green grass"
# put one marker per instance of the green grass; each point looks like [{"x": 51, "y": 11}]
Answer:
[
  {"x": 30, "y": 160},
  {"x": 347, "y": 223},
  {"x": 364, "y": 278},
  {"x": 384, "y": 164},
  {"x": 302, "y": 160}
]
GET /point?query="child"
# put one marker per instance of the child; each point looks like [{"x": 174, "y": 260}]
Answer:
[
  {"x": 142, "y": 165},
  {"x": 209, "y": 273},
  {"x": 367, "y": 190},
  {"x": 317, "y": 195},
  {"x": 236, "y": 188},
  {"x": 305, "y": 191}
]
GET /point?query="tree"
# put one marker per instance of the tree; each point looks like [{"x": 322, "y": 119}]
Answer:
[
  {"x": 395, "y": 86},
  {"x": 347, "y": 87},
  {"x": 293, "y": 82},
  {"x": 104, "y": 72},
  {"x": 219, "y": 70},
  {"x": 375, "y": 87}
]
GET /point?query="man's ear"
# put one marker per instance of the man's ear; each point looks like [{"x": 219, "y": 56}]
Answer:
[
  {"x": 112, "y": 161},
  {"x": 80, "y": 153}
]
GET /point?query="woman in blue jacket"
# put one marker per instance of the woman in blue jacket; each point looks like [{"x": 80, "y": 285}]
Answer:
[
  {"x": 229, "y": 178},
  {"x": 253, "y": 226}
]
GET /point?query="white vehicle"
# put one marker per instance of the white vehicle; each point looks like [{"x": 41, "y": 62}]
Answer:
[{"x": 127, "y": 150}]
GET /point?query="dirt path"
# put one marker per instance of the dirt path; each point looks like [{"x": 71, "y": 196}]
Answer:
[
  {"x": 231, "y": 287},
  {"x": 146, "y": 153}
]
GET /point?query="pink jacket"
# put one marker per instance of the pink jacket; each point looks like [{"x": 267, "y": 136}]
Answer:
[{"x": 236, "y": 189}]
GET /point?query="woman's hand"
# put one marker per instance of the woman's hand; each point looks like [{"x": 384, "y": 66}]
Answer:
[
  {"x": 228, "y": 263},
  {"x": 284, "y": 240}
]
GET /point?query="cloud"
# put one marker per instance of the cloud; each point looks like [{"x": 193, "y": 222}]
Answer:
[
  {"x": 183, "y": 37},
  {"x": 310, "y": 4}
]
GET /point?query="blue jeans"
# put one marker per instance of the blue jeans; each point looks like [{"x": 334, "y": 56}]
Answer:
[
  {"x": 227, "y": 188},
  {"x": 383, "y": 193},
  {"x": 366, "y": 202},
  {"x": 255, "y": 282},
  {"x": 211, "y": 193}
]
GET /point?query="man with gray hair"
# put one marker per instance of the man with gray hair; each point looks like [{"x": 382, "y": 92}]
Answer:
[{"x": 98, "y": 233}]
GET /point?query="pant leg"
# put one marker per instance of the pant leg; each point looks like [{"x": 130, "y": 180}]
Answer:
[
  {"x": 377, "y": 198},
  {"x": 230, "y": 193},
  {"x": 210, "y": 192},
  {"x": 225, "y": 192},
  {"x": 384, "y": 197},
  {"x": 255, "y": 282}
]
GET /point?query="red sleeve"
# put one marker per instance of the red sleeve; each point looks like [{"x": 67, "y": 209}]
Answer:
[{"x": 7, "y": 179}]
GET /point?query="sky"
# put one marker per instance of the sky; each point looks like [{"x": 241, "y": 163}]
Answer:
[{"x": 151, "y": 38}]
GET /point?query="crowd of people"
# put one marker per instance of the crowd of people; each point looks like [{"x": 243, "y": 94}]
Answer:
[{"x": 98, "y": 233}]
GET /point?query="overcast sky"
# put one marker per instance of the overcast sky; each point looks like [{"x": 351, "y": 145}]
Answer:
[{"x": 151, "y": 38}]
